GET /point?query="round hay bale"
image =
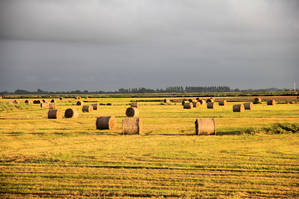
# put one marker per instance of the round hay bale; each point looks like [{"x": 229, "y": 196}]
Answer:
[
  {"x": 134, "y": 104},
  {"x": 195, "y": 104},
  {"x": 248, "y": 106},
  {"x": 53, "y": 101},
  {"x": 77, "y": 97},
  {"x": 166, "y": 100},
  {"x": 44, "y": 101},
  {"x": 238, "y": 108},
  {"x": 54, "y": 114},
  {"x": 183, "y": 102},
  {"x": 190, "y": 100},
  {"x": 211, "y": 105},
  {"x": 257, "y": 100},
  {"x": 187, "y": 105},
  {"x": 132, "y": 112},
  {"x": 28, "y": 101},
  {"x": 71, "y": 113},
  {"x": 222, "y": 103},
  {"x": 61, "y": 98},
  {"x": 202, "y": 101},
  {"x": 16, "y": 102},
  {"x": 95, "y": 106},
  {"x": 210, "y": 100},
  {"x": 79, "y": 103},
  {"x": 44, "y": 105},
  {"x": 205, "y": 126},
  {"x": 106, "y": 122},
  {"x": 52, "y": 106},
  {"x": 271, "y": 102},
  {"x": 132, "y": 126},
  {"x": 36, "y": 101},
  {"x": 87, "y": 108}
]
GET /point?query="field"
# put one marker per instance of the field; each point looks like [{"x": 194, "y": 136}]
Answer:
[{"x": 70, "y": 158}]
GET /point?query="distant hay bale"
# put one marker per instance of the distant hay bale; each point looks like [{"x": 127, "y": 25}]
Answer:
[
  {"x": 79, "y": 103},
  {"x": 61, "y": 98},
  {"x": 238, "y": 108},
  {"x": 183, "y": 102},
  {"x": 190, "y": 100},
  {"x": 36, "y": 101},
  {"x": 202, "y": 101},
  {"x": 106, "y": 122},
  {"x": 44, "y": 101},
  {"x": 87, "y": 108},
  {"x": 28, "y": 101},
  {"x": 211, "y": 105},
  {"x": 271, "y": 102},
  {"x": 195, "y": 104},
  {"x": 132, "y": 112},
  {"x": 205, "y": 126},
  {"x": 222, "y": 103},
  {"x": 52, "y": 106},
  {"x": 95, "y": 106},
  {"x": 248, "y": 106},
  {"x": 134, "y": 104},
  {"x": 166, "y": 100},
  {"x": 77, "y": 97},
  {"x": 53, "y": 101},
  {"x": 16, "y": 102},
  {"x": 210, "y": 100},
  {"x": 54, "y": 114},
  {"x": 44, "y": 105},
  {"x": 71, "y": 113},
  {"x": 187, "y": 105},
  {"x": 132, "y": 126},
  {"x": 257, "y": 100}
]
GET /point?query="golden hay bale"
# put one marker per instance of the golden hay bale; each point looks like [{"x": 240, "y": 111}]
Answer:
[
  {"x": 44, "y": 101},
  {"x": 211, "y": 105},
  {"x": 134, "y": 104},
  {"x": 61, "y": 98},
  {"x": 132, "y": 126},
  {"x": 205, "y": 127},
  {"x": 95, "y": 106},
  {"x": 87, "y": 108},
  {"x": 257, "y": 100},
  {"x": 52, "y": 106},
  {"x": 54, "y": 114},
  {"x": 166, "y": 100},
  {"x": 44, "y": 105},
  {"x": 187, "y": 105},
  {"x": 106, "y": 122},
  {"x": 202, "y": 101},
  {"x": 195, "y": 104},
  {"x": 271, "y": 102},
  {"x": 16, "y": 102},
  {"x": 71, "y": 113},
  {"x": 36, "y": 101},
  {"x": 132, "y": 112},
  {"x": 79, "y": 103},
  {"x": 222, "y": 103},
  {"x": 183, "y": 102},
  {"x": 238, "y": 108},
  {"x": 53, "y": 101},
  {"x": 190, "y": 100},
  {"x": 28, "y": 101},
  {"x": 210, "y": 100},
  {"x": 248, "y": 106}
]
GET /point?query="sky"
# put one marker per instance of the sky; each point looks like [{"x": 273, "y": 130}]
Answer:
[{"x": 63, "y": 45}]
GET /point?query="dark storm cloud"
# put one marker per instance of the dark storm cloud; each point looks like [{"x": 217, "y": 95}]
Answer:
[{"x": 108, "y": 44}]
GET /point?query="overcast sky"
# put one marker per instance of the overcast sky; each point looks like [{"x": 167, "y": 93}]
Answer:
[{"x": 109, "y": 44}]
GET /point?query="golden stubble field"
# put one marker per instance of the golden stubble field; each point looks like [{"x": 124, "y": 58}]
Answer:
[{"x": 70, "y": 158}]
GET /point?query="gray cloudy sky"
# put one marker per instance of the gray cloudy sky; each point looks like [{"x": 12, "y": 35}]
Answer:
[{"x": 110, "y": 44}]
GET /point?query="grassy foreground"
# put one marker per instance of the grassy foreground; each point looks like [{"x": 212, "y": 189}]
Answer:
[{"x": 69, "y": 158}]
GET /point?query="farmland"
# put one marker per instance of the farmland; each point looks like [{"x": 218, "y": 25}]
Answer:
[{"x": 70, "y": 158}]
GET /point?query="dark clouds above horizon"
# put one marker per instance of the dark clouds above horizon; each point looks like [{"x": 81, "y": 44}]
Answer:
[{"x": 110, "y": 44}]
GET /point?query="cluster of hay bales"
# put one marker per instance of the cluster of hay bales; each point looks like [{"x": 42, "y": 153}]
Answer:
[
  {"x": 132, "y": 112},
  {"x": 205, "y": 126},
  {"x": 106, "y": 123},
  {"x": 238, "y": 108},
  {"x": 36, "y": 101},
  {"x": 71, "y": 113}
]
